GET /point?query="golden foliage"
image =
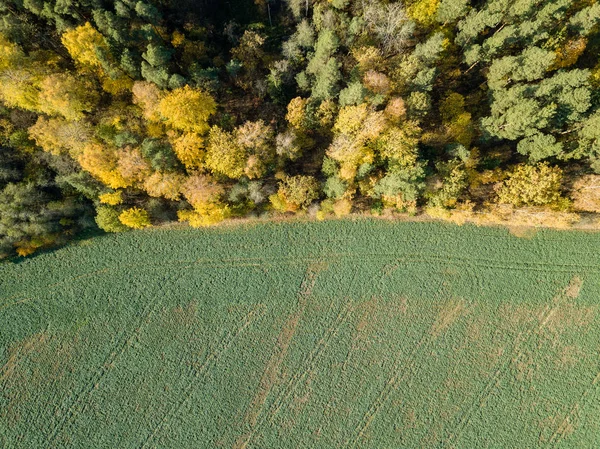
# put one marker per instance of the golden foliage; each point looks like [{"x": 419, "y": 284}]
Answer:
[
  {"x": 350, "y": 119},
  {"x": 187, "y": 109},
  {"x": 295, "y": 192},
  {"x": 135, "y": 218},
  {"x": 399, "y": 202},
  {"x": 67, "y": 95},
  {"x": 224, "y": 155},
  {"x": 101, "y": 162},
  {"x": 117, "y": 86},
  {"x": 531, "y": 185},
  {"x": 296, "y": 112},
  {"x": 189, "y": 149},
  {"x": 400, "y": 143},
  {"x": 326, "y": 113},
  {"x": 19, "y": 87},
  {"x": 177, "y": 38},
  {"x": 155, "y": 130},
  {"x": 10, "y": 54},
  {"x": 57, "y": 135},
  {"x": 112, "y": 198},
  {"x": 206, "y": 214},
  {"x": 25, "y": 250},
  {"x": 82, "y": 44},
  {"x": 164, "y": 185},
  {"x": 423, "y": 11},
  {"x": 368, "y": 58},
  {"x": 350, "y": 154},
  {"x": 342, "y": 207}
]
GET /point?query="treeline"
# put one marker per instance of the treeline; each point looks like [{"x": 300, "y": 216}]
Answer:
[{"x": 123, "y": 114}]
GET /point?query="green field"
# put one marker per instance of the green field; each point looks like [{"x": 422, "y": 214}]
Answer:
[{"x": 366, "y": 334}]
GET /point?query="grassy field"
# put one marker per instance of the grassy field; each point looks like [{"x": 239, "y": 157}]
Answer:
[{"x": 340, "y": 334}]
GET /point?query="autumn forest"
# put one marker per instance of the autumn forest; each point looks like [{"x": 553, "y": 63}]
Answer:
[{"x": 118, "y": 115}]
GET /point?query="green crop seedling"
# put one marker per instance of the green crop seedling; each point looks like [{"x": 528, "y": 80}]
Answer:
[{"x": 339, "y": 334}]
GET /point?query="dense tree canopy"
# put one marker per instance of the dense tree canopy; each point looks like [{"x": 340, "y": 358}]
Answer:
[{"x": 130, "y": 113}]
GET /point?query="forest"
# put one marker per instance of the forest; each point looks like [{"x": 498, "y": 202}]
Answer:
[{"x": 126, "y": 114}]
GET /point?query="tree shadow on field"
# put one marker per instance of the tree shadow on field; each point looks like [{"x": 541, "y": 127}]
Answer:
[{"x": 76, "y": 240}]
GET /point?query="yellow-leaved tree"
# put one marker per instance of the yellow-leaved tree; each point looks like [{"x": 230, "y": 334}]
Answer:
[
  {"x": 101, "y": 162},
  {"x": 356, "y": 127},
  {"x": 67, "y": 95},
  {"x": 164, "y": 184},
  {"x": 19, "y": 77},
  {"x": 424, "y": 11},
  {"x": 112, "y": 198},
  {"x": 189, "y": 149},
  {"x": 83, "y": 44},
  {"x": 57, "y": 135},
  {"x": 224, "y": 155},
  {"x": 531, "y": 185},
  {"x": 135, "y": 218},
  {"x": 295, "y": 192},
  {"x": 187, "y": 109}
]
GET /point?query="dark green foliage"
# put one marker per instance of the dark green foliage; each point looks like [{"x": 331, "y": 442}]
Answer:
[
  {"x": 107, "y": 219},
  {"x": 29, "y": 216},
  {"x": 334, "y": 187},
  {"x": 160, "y": 154}
]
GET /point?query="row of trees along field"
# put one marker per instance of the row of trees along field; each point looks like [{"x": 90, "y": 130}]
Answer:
[{"x": 131, "y": 113}]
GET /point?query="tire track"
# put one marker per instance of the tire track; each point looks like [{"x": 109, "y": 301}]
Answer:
[
  {"x": 271, "y": 371},
  {"x": 116, "y": 352},
  {"x": 499, "y": 374},
  {"x": 384, "y": 394},
  {"x": 399, "y": 375},
  {"x": 311, "y": 361},
  {"x": 276, "y": 261},
  {"x": 559, "y": 433},
  {"x": 201, "y": 372}
]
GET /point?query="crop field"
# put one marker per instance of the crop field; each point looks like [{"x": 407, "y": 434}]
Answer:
[{"x": 341, "y": 334}]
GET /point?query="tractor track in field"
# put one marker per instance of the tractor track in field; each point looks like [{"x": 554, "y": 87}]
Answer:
[
  {"x": 559, "y": 433},
  {"x": 288, "y": 390},
  {"x": 272, "y": 367},
  {"x": 201, "y": 373},
  {"x": 123, "y": 342},
  {"x": 414, "y": 258},
  {"x": 504, "y": 368}
]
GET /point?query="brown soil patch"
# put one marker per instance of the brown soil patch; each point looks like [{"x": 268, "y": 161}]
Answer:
[
  {"x": 19, "y": 350},
  {"x": 525, "y": 232},
  {"x": 284, "y": 339},
  {"x": 451, "y": 311},
  {"x": 568, "y": 357},
  {"x": 574, "y": 287}
]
